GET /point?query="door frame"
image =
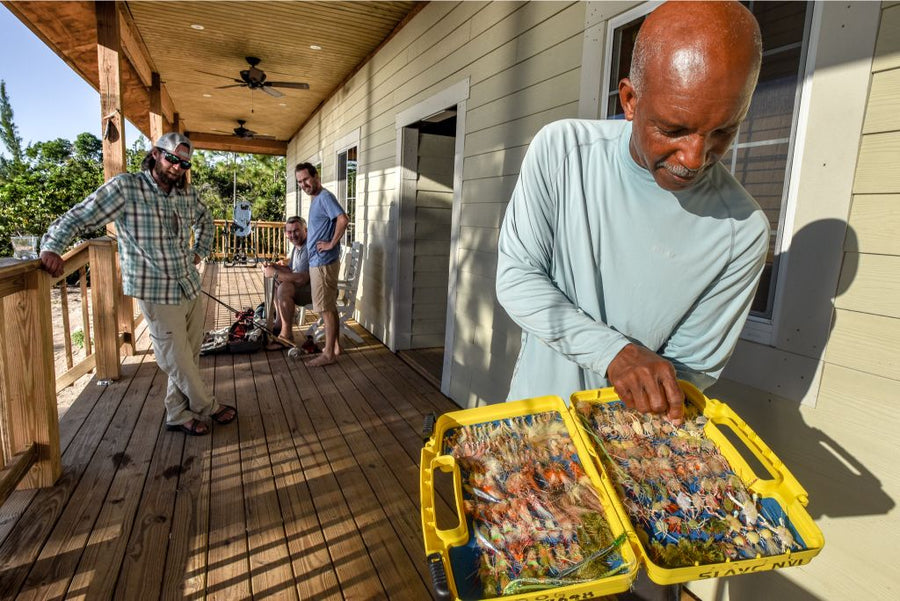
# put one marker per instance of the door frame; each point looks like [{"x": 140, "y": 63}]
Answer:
[{"x": 403, "y": 215}]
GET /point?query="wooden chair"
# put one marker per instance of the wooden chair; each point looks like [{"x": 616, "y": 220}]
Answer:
[{"x": 346, "y": 303}]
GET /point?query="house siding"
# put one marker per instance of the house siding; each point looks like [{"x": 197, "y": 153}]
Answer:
[{"x": 522, "y": 61}]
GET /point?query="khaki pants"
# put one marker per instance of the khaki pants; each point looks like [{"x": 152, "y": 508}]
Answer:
[{"x": 176, "y": 332}]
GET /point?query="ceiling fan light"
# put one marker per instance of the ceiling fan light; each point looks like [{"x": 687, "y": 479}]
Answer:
[
  {"x": 197, "y": 26},
  {"x": 315, "y": 47}
]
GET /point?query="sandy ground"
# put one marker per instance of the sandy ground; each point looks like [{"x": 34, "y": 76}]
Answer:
[{"x": 67, "y": 396}]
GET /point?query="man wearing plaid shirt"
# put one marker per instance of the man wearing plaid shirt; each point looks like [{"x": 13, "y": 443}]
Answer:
[{"x": 155, "y": 212}]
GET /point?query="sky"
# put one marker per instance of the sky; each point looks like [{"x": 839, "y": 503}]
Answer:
[{"x": 49, "y": 100}]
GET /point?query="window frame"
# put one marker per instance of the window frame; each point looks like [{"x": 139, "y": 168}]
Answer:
[{"x": 343, "y": 147}]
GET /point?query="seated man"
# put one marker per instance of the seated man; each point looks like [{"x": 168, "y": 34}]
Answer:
[{"x": 291, "y": 278}]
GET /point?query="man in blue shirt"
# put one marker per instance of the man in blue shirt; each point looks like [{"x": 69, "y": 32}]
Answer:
[
  {"x": 327, "y": 222},
  {"x": 628, "y": 254}
]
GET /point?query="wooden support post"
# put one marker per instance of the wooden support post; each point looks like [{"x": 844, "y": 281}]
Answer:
[
  {"x": 156, "y": 110},
  {"x": 125, "y": 314},
  {"x": 178, "y": 126},
  {"x": 109, "y": 65},
  {"x": 106, "y": 308},
  {"x": 30, "y": 380}
]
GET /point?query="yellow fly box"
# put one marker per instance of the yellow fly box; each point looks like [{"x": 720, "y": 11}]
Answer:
[
  {"x": 690, "y": 515},
  {"x": 534, "y": 516}
]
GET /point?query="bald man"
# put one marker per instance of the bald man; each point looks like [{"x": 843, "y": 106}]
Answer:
[{"x": 628, "y": 255}]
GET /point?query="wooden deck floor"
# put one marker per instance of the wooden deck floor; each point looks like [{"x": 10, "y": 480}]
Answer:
[{"x": 311, "y": 494}]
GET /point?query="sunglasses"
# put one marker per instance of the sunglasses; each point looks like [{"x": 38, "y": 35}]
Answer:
[{"x": 177, "y": 160}]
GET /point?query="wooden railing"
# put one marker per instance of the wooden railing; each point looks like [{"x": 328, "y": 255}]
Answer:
[
  {"x": 29, "y": 422},
  {"x": 266, "y": 239}
]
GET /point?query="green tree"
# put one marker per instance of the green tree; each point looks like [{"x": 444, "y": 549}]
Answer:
[
  {"x": 44, "y": 180},
  {"x": 222, "y": 177},
  {"x": 9, "y": 135}
]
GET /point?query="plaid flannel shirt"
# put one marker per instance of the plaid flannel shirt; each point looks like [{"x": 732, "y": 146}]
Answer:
[{"x": 154, "y": 235}]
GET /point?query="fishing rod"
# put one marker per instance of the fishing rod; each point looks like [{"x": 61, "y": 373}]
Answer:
[{"x": 294, "y": 351}]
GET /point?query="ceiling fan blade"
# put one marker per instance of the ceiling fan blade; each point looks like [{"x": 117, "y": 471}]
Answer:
[
  {"x": 267, "y": 88},
  {"x": 234, "y": 85},
  {"x": 217, "y": 75},
  {"x": 289, "y": 84}
]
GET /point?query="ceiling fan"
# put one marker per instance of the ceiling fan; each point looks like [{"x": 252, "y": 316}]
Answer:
[
  {"x": 254, "y": 78},
  {"x": 248, "y": 134}
]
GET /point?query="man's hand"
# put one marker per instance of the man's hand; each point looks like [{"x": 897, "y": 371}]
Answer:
[
  {"x": 269, "y": 270},
  {"x": 646, "y": 382},
  {"x": 323, "y": 246},
  {"x": 52, "y": 263},
  {"x": 197, "y": 259}
]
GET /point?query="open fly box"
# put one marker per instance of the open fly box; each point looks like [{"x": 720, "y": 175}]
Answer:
[{"x": 687, "y": 501}]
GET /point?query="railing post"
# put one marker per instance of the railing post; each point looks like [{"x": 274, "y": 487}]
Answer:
[
  {"x": 105, "y": 301},
  {"x": 126, "y": 315},
  {"x": 30, "y": 378}
]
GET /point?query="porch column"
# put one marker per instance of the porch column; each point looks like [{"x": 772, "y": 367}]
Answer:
[
  {"x": 109, "y": 57},
  {"x": 109, "y": 65},
  {"x": 156, "y": 110}
]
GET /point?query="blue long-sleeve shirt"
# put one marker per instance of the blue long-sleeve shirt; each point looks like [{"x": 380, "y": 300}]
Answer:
[{"x": 593, "y": 254}]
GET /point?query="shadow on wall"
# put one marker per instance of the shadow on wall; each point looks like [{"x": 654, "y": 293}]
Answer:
[{"x": 837, "y": 483}]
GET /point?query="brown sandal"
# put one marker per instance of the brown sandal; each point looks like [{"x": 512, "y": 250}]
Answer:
[
  {"x": 219, "y": 417},
  {"x": 196, "y": 428}
]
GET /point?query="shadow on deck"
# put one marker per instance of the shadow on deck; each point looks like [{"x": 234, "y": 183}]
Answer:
[{"x": 311, "y": 494}]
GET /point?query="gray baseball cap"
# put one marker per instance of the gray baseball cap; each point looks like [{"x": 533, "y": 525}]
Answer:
[{"x": 173, "y": 140}]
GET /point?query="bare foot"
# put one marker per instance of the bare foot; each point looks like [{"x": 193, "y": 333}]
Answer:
[{"x": 321, "y": 360}]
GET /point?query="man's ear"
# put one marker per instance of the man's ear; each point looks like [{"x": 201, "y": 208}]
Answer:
[{"x": 628, "y": 97}]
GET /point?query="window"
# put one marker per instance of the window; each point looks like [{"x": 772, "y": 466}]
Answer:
[
  {"x": 346, "y": 170},
  {"x": 760, "y": 157}
]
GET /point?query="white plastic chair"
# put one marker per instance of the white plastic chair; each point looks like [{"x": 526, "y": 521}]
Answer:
[{"x": 346, "y": 302}]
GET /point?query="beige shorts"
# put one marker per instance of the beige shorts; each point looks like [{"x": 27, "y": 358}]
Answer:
[{"x": 324, "y": 280}]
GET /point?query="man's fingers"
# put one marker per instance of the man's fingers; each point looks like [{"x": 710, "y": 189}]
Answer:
[
  {"x": 675, "y": 399},
  {"x": 656, "y": 397}
]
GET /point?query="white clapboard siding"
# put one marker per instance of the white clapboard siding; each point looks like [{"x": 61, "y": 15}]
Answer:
[{"x": 522, "y": 61}]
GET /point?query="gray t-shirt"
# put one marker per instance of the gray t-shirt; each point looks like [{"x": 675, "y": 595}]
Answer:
[{"x": 299, "y": 259}]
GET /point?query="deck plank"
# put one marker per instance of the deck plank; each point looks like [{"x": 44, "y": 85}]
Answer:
[
  {"x": 228, "y": 560},
  {"x": 366, "y": 498},
  {"x": 311, "y": 563},
  {"x": 99, "y": 566},
  {"x": 345, "y": 544},
  {"x": 37, "y": 541},
  {"x": 311, "y": 494},
  {"x": 270, "y": 570},
  {"x": 144, "y": 563}
]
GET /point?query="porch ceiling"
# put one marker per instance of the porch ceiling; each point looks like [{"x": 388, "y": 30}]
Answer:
[{"x": 159, "y": 37}]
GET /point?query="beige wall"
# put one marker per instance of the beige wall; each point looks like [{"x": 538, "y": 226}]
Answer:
[{"x": 522, "y": 62}]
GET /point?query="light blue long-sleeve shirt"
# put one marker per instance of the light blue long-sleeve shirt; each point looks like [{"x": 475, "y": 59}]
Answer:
[{"x": 593, "y": 254}]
